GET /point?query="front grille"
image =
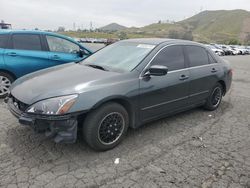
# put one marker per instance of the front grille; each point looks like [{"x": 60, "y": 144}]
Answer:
[{"x": 18, "y": 104}]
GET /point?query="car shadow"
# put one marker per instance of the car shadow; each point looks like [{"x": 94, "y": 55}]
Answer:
[{"x": 36, "y": 149}]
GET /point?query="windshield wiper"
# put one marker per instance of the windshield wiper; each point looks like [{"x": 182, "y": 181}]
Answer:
[{"x": 97, "y": 67}]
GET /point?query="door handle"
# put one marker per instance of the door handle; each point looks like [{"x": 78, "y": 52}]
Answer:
[
  {"x": 213, "y": 70},
  {"x": 13, "y": 54},
  {"x": 56, "y": 57},
  {"x": 184, "y": 77}
]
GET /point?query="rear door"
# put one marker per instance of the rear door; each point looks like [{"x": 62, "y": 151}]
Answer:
[
  {"x": 203, "y": 73},
  {"x": 160, "y": 95},
  {"x": 3, "y": 45},
  {"x": 62, "y": 50},
  {"x": 25, "y": 54}
]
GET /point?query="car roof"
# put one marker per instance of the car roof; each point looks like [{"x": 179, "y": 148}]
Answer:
[
  {"x": 32, "y": 32},
  {"x": 3, "y": 31},
  {"x": 153, "y": 41},
  {"x": 24, "y": 31},
  {"x": 157, "y": 41},
  {"x": 21, "y": 31}
]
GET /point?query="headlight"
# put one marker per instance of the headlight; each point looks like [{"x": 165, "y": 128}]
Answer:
[{"x": 53, "y": 106}]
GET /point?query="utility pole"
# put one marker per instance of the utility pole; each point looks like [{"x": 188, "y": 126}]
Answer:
[
  {"x": 91, "y": 26},
  {"x": 201, "y": 9}
]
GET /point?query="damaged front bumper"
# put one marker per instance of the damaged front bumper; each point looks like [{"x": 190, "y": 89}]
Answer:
[{"x": 63, "y": 128}]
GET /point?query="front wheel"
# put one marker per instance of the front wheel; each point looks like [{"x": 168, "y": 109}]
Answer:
[
  {"x": 5, "y": 83},
  {"x": 215, "y": 97},
  {"x": 105, "y": 127}
]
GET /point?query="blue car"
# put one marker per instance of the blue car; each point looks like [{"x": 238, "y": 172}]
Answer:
[{"x": 23, "y": 52}]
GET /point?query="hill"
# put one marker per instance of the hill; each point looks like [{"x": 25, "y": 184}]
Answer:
[
  {"x": 207, "y": 26},
  {"x": 219, "y": 25},
  {"x": 113, "y": 27}
]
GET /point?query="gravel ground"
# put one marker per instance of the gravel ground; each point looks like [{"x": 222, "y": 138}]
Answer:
[{"x": 192, "y": 149}]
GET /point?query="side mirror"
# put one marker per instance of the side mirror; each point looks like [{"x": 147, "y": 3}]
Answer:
[
  {"x": 157, "y": 70},
  {"x": 82, "y": 53}
]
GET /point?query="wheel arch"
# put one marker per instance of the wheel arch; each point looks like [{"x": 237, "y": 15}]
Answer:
[
  {"x": 9, "y": 72},
  {"x": 224, "y": 87},
  {"x": 123, "y": 101}
]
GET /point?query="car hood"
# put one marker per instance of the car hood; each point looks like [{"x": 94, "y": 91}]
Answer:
[{"x": 58, "y": 81}]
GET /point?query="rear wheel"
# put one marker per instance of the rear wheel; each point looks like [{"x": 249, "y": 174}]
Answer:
[
  {"x": 215, "y": 97},
  {"x": 105, "y": 127},
  {"x": 5, "y": 83}
]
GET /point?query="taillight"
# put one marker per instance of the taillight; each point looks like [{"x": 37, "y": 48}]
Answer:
[{"x": 230, "y": 72}]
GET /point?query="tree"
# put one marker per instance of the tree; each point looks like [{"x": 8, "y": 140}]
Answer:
[
  {"x": 61, "y": 29},
  {"x": 173, "y": 34},
  {"x": 186, "y": 34},
  {"x": 233, "y": 42},
  {"x": 247, "y": 39},
  {"x": 122, "y": 35}
]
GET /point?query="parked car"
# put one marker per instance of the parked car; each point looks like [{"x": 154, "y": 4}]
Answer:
[
  {"x": 227, "y": 50},
  {"x": 123, "y": 85},
  {"x": 248, "y": 49},
  {"x": 23, "y": 52},
  {"x": 217, "y": 51},
  {"x": 235, "y": 51},
  {"x": 94, "y": 46},
  {"x": 244, "y": 50}
]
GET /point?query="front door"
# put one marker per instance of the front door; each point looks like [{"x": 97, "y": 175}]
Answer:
[
  {"x": 62, "y": 51},
  {"x": 160, "y": 95}
]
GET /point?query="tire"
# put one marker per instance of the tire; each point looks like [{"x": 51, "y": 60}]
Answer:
[
  {"x": 5, "y": 82},
  {"x": 215, "y": 98},
  {"x": 105, "y": 127}
]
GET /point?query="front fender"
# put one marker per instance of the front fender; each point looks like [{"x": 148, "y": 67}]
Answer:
[
  {"x": 126, "y": 90},
  {"x": 112, "y": 98}
]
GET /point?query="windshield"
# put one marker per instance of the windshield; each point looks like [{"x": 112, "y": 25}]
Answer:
[{"x": 120, "y": 57}]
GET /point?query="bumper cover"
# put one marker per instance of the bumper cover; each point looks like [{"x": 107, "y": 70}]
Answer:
[{"x": 63, "y": 129}]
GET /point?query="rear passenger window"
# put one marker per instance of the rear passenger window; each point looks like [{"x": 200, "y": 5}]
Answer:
[
  {"x": 3, "y": 41},
  {"x": 197, "y": 56},
  {"x": 211, "y": 59},
  {"x": 172, "y": 57},
  {"x": 26, "y": 42}
]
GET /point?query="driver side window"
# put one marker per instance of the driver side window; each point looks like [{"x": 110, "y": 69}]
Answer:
[
  {"x": 171, "y": 57},
  {"x": 57, "y": 44}
]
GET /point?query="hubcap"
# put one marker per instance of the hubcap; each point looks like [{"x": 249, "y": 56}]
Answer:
[
  {"x": 111, "y": 128},
  {"x": 4, "y": 85},
  {"x": 216, "y": 96}
]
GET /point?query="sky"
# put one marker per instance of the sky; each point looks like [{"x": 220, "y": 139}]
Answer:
[{"x": 50, "y": 14}]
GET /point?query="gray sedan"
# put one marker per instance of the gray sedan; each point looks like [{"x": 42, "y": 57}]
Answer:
[{"x": 126, "y": 84}]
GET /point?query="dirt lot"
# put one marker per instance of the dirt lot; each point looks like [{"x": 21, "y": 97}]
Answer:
[{"x": 192, "y": 149}]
